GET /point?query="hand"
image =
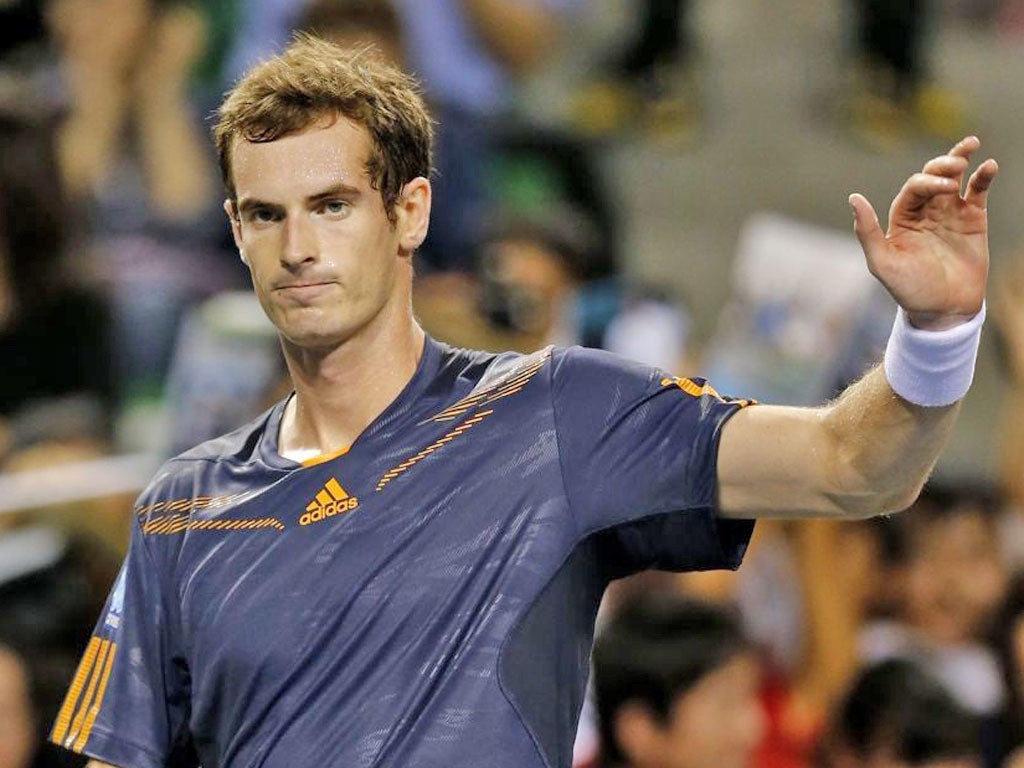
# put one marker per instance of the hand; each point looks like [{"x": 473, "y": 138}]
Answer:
[
  {"x": 176, "y": 40},
  {"x": 100, "y": 38},
  {"x": 934, "y": 258}
]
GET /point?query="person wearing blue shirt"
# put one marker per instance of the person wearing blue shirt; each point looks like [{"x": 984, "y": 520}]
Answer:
[{"x": 400, "y": 563}]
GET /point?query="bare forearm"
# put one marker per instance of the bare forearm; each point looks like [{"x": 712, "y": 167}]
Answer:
[
  {"x": 177, "y": 172},
  {"x": 90, "y": 136},
  {"x": 885, "y": 447},
  {"x": 866, "y": 454},
  {"x": 832, "y": 612},
  {"x": 519, "y": 34}
]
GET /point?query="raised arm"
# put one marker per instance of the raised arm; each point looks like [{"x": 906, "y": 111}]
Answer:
[
  {"x": 519, "y": 34},
  {"x": 871, "y": 450},
  {"x": 1009, "y": 313}
]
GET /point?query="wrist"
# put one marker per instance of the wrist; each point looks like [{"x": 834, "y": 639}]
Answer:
[
  {"x": 935, "y": 321},
  {"x": 932, "y": 367}
]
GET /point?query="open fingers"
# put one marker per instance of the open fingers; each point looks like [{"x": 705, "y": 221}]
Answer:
[
  {"x": 869, "y": 231},
  {"x": 955, "y": 162},
  {"x": 922, "y": 188},
  {"x": 951, "y": 166},
  {"x": 965, "y": 148},
  {"x": 981, "y": 180}
]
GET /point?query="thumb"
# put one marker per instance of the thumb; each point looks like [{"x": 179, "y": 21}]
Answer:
[{"x": 867, "y": 228}]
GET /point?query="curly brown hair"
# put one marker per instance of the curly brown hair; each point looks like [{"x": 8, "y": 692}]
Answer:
[{"x": 313, "y": 79}]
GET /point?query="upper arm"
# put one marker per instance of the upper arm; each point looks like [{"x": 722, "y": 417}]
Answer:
[
  {"x": 778, "y": 461},
  {"x": 129, "y": 699},
  {"x": 637, "y": 450},
  {"x": 867, "y": 453}
]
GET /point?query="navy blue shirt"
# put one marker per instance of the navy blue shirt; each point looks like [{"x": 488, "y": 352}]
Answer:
[{"x": 425, "y": 599}]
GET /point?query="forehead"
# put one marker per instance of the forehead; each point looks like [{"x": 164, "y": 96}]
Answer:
[{"x": 325, "y": 153}]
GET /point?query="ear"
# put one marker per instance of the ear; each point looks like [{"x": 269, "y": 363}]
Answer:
[
  {"x": 413, "y": 215},
  {"x": 638, "y": 733},
  {"x": 236, "y": 228}
]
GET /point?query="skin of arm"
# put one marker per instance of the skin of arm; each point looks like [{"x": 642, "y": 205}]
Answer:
[
  {"x": 1009, "y": 314},
  {"x": 178, "y": 171},
  {"x": 520, "y": 34},
  {"x": 97, "y": 44},
  {"x": 870, "y": 451}
]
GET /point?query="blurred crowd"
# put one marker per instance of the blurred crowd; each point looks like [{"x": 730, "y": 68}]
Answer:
[{"x": 127, "y": 327}]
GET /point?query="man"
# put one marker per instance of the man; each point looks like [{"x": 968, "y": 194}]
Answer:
[
  {"x": 895, "y": 715},
  {"x": 400, "y": 564},
  {"x": 676, "y": 686}
]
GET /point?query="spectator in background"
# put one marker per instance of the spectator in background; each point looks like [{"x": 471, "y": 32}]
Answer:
[
  {"x": 530, "y": 267},
  {"x": 51, "y": 585},
  {"x": 892, "y": 93},
  {"x": 18, "y": 741},
  {"x": 1007, "y": 741},
  {"x": 351, "y": 23},
  {"x": 1008, "y": 306},
  {"x": 945, "y": 581},
  {"x": 527, "y": 294},
  {"x": 22, "y": 32},
  {"x": 132, "y": 154},
  {"x": 897, "y": 716},
  {"x": 56, "y": 385},
  {"x": 676, "y": 686},
  {"x": 22, "y": 741},
  {"x": 127, "y": 66},
  {"x": 651, "y": 83}
]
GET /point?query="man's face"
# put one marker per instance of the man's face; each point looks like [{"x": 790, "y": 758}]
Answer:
[
  {"x": 325, "y": 260},
  {"x": 718, "y": 723},
  {"x": 954, "y": 579}
]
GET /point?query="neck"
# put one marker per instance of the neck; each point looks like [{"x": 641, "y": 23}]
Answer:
[{"x": 341, "y": 391}]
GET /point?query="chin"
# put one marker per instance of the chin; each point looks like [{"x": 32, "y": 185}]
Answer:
[
  {"x": 315, "y": 338},
  {"x": 310, "y": 329}
]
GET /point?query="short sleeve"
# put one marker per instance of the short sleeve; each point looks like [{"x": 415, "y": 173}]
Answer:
[
  {"x": 128, "y": 703},
  {"x": 639, "y": 450}
]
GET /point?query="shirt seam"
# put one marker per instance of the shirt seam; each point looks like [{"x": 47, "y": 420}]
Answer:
[
  {"x": 566, "y": 490},
  {"x": 165, "y": 602},
  {"x": 578, "y": 541}
]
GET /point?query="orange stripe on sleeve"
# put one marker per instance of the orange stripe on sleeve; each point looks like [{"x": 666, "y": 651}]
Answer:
[
  {"x": 94, "y": 710},
  {"x": 94, "y": 679},
  {"x": 60, "y": 727}
]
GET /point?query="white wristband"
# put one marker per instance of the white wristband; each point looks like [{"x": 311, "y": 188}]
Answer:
[{"x": 932, "y": 368}]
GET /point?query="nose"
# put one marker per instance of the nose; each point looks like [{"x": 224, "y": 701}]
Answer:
[{"x": 300, "y": 243}]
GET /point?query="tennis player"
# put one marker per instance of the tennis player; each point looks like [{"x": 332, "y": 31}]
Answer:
[{"x": 400, "y": 563}]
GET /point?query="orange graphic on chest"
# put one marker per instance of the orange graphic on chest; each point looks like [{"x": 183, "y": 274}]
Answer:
[{"x": 331, "y": 500}]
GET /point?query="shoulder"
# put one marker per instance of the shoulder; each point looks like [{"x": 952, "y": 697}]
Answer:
[
  {"x": 480, "y": 370},
  {"x": 206, "y": 476},
  {"x": 588, "y": 359},
  {"x": 240, "y": 446}
]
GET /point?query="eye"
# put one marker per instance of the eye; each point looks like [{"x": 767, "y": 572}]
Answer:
[
  {"x": 335, "y": 207},
  {"x": 262, "y": 215}
]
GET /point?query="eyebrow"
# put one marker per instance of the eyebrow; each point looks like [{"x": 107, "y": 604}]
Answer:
[{"x": 336, "y": 190}]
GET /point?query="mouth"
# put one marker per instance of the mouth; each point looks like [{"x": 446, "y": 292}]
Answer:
[
  {"x": 304, "y": 290},
  {"x": 302, "y": 284}
]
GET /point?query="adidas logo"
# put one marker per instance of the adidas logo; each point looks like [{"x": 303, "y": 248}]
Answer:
[{"x": 331, "y": 500}]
